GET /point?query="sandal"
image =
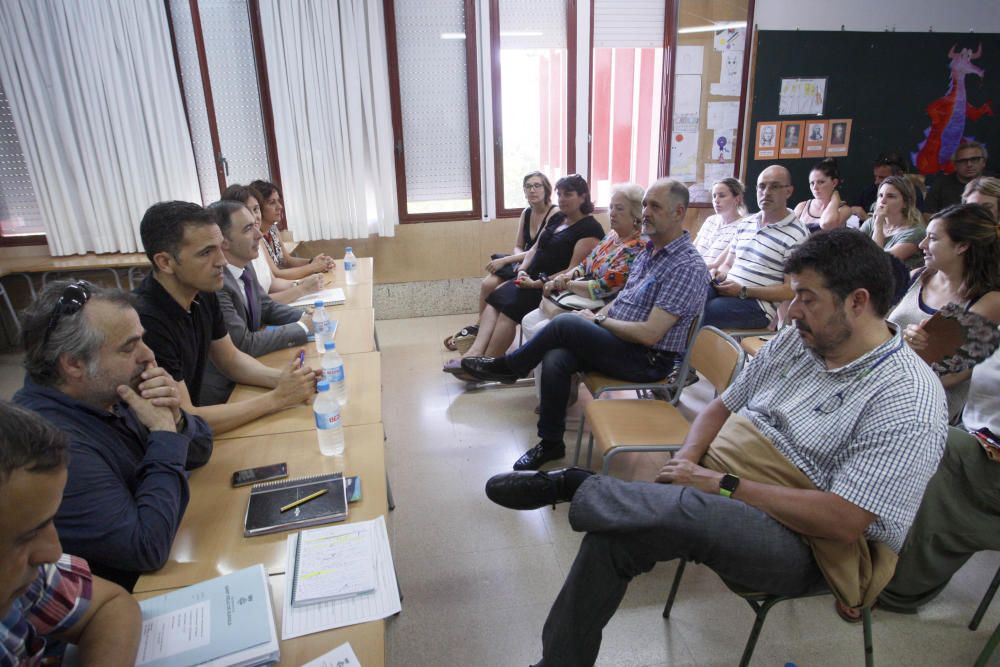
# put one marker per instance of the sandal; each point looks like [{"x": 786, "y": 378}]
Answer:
[
  {"x": 847, "y": 614},
  {"x": 453, "y": 341}
]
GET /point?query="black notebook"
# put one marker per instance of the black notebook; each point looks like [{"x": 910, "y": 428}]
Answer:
[{"x": 264, "y": 513}]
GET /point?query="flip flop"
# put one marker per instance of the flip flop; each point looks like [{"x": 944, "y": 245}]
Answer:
[
  {"x": 847, "y": 614},
  {"x": 449, "y": 343},
  {"x": 452, "y": 343}
]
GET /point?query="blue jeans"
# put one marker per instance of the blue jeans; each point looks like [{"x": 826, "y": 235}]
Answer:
[
  {"x": 633, "y": 525},
  {"x": 730, "y": 312},
  {"x": 570, "y": 344}
]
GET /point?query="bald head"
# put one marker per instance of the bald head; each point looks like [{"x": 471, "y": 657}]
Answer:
[{"x": 774, "y": 188}]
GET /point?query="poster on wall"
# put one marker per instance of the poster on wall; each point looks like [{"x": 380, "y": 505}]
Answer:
[
  {"x": 730, "y": 39},
  {"x": 840, "y": 137},
  {"x": 715, "y": 172},
  {"x": 800, "y": 97},
  {"x": 690, "y": 59},
  {"x": 722, "y": 146},
  {"x": 815, "y": 142},
  {"x": 791, "y": 139},
  {"x": 730, "y": 75},
  {"x": 766, "y": 147}
]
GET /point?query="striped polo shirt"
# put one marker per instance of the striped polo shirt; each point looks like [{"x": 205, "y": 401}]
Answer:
[
  {"x": 761, "y": 251},
  {"x": 871, "y": 432}
]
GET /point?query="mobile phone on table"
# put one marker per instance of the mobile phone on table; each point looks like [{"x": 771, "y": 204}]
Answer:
[{"x": 261, "y": 474}]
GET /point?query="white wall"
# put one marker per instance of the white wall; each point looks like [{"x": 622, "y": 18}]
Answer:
[{"x": 878, "y": 15}]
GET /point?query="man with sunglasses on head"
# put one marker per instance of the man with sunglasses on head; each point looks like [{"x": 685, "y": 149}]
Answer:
[
  {"x": 90, "y": 374},
  {"x": 970, "y": 163},
  {"x": 184, "y": 325}
]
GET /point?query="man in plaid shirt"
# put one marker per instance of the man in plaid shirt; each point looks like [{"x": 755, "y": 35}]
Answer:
[
  {"x": 47, "y": 597},
  {"x": 637, "y": 337}
]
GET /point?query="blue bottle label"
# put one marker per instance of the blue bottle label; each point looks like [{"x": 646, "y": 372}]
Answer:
[
  {"x": 327, "y": 421},
  {"x": 335, "y": 374}
]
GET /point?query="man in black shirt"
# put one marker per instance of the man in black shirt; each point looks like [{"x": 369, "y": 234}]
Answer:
[
  {"x": 184, "y": 325},
  {"x": 970, "y": 163}
]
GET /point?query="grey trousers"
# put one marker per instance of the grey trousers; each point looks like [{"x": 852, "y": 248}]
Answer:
[
  {"x": 959, "y": 515},
  {"x": 633, "y": 525}
]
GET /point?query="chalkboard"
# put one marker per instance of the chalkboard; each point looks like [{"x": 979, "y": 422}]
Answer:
[{"x": 885, "y": 82}]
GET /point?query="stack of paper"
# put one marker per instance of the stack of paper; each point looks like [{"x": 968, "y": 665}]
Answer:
[
  {"x": 331, "y": 297},
  {"x": 379, "y": 603}
]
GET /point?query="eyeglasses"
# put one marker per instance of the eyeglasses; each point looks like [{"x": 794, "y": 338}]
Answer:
[
  {"x": 533, "y": 186},
  {"x": 969, "y": 160},
  {"x": 72, "y": 301},
  {"x": 767, "y": 187}
]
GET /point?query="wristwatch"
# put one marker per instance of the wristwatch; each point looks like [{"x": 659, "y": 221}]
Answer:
[
  {"x": 728, "y": 484},
  {"x": 743, "y": 292},
  {"x": 599, "y": 318}
]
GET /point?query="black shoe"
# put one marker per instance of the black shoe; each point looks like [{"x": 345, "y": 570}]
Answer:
[
  {"x": 539, "y": 455},
  {"x": 530, "y": 490},
  {"x": 494, "y": 369}
]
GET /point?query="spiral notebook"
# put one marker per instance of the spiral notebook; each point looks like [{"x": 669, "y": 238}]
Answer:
[
  {"x": 264, "y": 513},
  {"x": 332, "y": 563}
]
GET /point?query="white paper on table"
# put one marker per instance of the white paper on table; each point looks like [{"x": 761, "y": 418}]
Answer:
[
  {"x": 723, "y": 115},
  {"x": 331, "y": 296},
  {"x": 687, "y": 94},
  {"x": 178, "y": 631},
  {"x": 342, "y": 656},
  {"x": 690, "y": 59},
  {"x": 381, "y": 603},
  {"x": 715, "y": 172},
  {"x": 730, "y": 74}
]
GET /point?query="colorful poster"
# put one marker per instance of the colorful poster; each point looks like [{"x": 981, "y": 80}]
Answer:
[
  {"x": 801, "y": 97},
  {"x": 722, "y": 146}
]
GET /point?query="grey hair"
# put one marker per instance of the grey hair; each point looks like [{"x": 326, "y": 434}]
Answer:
[
  {"x": 633, "y": 195},
  {"x": 967, "y": 145},
  {"x": 72, "y": 336},
  {"x": 678, "y": 192}
]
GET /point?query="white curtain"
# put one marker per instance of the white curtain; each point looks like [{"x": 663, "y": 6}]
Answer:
[
  {"x": 94, "y": 95},
  {"x": 328, "y": 74}
]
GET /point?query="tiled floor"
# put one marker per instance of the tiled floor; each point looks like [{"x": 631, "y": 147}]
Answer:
[{"x": 478, "y": 579}]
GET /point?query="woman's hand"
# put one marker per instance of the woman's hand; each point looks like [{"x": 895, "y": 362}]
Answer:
[
  {"x": 528, "y": 283},
  {"x": 497, "y": 264},
  {"x": 550, "y": 287},
  {"x": 321, "y": 263},
  {"x": 561, "y": 282},
  {"x": 915, "y": 335}
]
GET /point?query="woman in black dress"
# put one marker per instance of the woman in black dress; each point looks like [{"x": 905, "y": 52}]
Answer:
[{"x": 565, "y": 241}]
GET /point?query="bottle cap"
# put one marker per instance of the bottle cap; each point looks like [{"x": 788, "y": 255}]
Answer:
[
  {"x": 322, "y": 386},
  {"x": 318, "y": 303},
  {"x": 329, "y": 345},
  {"x": 348, "y": 249}
]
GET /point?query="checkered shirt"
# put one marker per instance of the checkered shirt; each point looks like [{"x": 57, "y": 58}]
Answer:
[
  {"x": 675, "y": 280},
  {"x": 56, "y": 600},
  {"x": 761, "y": 252},
  {"x": 871, "y": 432}
]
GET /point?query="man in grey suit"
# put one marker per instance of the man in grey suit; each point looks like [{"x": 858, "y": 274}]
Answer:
[{"x": 246, "y": 307}]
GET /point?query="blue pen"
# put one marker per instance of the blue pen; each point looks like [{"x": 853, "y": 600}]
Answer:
[{"x": 302, "y": 358}]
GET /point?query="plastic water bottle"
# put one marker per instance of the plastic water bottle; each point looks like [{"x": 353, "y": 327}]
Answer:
[
  {"x": 329, "y": 429},
  {"x": 333, "y": 372},
  {"x": 321, "y": 326},
  {"x": 350, "y": 266}
]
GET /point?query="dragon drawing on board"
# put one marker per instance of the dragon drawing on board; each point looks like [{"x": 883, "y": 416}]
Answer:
[{"x": 948, "y": 115}]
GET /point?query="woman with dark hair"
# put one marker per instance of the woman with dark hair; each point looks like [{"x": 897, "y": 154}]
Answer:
[
  {"x": 566, "y": 241},
  {"x": 961, "y": 266},
  {"x": 282, "y": 265},
  {"x": 501, "y": 268},
  {"x": 279, "y": 289},
  {"x": 826, "y": 210},
  {"x": 897, "y": 226}
]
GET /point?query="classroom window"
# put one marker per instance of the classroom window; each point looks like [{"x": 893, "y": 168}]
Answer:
[
  {"x": 532, "y": 93},
  {"x": 20, "y": 216},
  {"x": 432, "y": 64}
]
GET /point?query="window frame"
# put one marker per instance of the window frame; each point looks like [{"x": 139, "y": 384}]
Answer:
[
  {"x": 399, "y": 141},
  {"x": 571, "y": 95}
]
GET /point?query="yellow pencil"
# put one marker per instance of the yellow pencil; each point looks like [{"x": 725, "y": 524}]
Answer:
[{"x": 303, "y": 500}]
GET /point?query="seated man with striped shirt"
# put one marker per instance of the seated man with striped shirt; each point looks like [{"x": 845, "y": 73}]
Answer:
[
  {"x": 816, "y": 456},
  {"x": 749, "y": 283}
]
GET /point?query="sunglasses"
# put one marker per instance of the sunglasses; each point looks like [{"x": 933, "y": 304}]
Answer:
[{"x": 72, "y": 301}]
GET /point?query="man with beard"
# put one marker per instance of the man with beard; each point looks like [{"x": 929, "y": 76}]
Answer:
[
  {"x": 835, "y": 429},
  {"x": 91, "y": 375}
]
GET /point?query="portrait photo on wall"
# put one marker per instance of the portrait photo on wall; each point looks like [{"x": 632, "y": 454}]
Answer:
[
  {"x": 791, "y": 139},
  {"x": 815, "y": 143},
  {"x": 767, "y": 140},
  {"x": 839, "y": 137}
]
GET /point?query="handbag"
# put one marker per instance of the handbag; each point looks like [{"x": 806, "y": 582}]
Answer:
[
  {"x": 569, "y": 301},
  {"x": 507, "y": 271}
]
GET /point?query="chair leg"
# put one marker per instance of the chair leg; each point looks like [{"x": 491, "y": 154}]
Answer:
[
  {"x": 388, "y": 493},
  {"x": 985, "y": 603},
  {"x": 579, "y": 439},
  {"x": 866, "y": 618},
  {"x": 987, "y": 651},
  {"x": 760, "y": 611},
  {"x": 681, "y": 564}
]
